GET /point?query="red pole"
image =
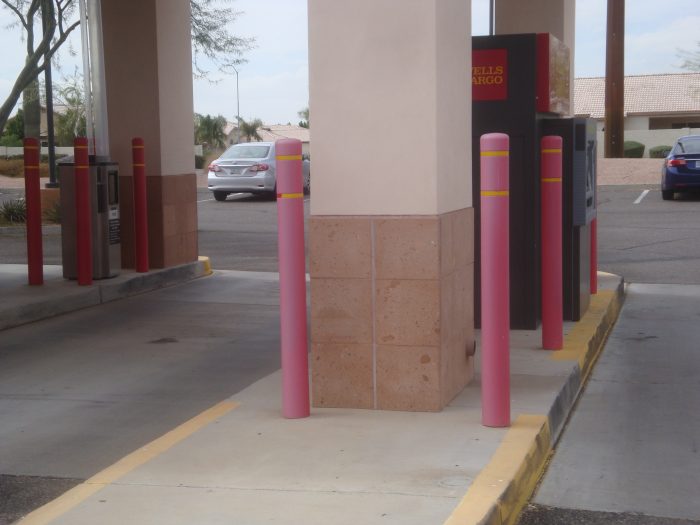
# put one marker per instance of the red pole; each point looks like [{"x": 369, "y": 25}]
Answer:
[
  {"x": 290, "y": 221},
  {"x": 140, "y": 207},
  {"x": 82, "y": 211},
  {"x": 495, "y": 281},
  {"x": 32, "y": 193},
  {"x": 552, "y": 283},
  {"x": 594, "y": 256}
]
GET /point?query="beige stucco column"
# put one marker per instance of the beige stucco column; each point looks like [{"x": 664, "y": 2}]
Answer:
[
  {"x": 391, "y": 229},
  {"x": 148, "y": 67},
  {"x": 557, "y": 17}
]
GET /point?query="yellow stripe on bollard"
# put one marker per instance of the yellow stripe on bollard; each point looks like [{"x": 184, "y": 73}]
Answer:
[
  {"x": 494, "y": 153},
  {"x": 554, "y": 179},
  {"x": 288, "y": 157},
  {"x": 490, "y": 193},
  {"x": 290, "y": 195},
  {"x": 551, "y": 151}
]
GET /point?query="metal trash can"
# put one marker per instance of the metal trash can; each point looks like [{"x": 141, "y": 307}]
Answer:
[{"x": 104, "y": 198}]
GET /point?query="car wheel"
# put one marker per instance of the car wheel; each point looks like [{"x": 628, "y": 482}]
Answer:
[
  {"x": 307, "y": 185},
  {"x": 220, "y": 195},
  {"x": 667, "y": 195}
]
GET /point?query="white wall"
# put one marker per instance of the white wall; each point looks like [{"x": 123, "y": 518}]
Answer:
[
  {"x": 636, "y": 123},
  {"x": 650, "y": 137},
  {"x": 379, "y": 70}
]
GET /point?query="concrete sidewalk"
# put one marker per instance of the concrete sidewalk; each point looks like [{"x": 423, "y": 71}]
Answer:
[
  {"x": 241, "y": 462},
  {"x": 25, "y": 304}
]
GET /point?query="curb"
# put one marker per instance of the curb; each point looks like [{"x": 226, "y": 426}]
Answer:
[
  {"x": 505, "y": 485},
  {"x": 58, "y": 297}
]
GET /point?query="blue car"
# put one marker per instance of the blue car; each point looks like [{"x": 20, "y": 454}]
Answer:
[{"x": 681, "y": 169}]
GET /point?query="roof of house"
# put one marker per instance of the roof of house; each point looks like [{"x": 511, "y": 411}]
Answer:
[
  {"x": 271, "y": 133},
  {"x": 644, "y": 95}
]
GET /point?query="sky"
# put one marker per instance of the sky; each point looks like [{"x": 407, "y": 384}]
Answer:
[{"x": 274, "y": 82}]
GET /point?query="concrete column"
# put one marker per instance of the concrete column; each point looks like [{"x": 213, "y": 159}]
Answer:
[
  {"x": 391, "y": 231},
  {"x": 557, "y": 17},
  {"x": 148, "y": 67}
]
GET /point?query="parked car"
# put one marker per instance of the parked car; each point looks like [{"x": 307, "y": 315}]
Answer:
[
  {"x": 248, "y": 168},
  {"x": 681, "y": 169}
]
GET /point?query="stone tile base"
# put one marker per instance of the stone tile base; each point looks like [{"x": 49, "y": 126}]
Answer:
[
  {"x": 391, "y": 310},
  {"x": 172, "y": 219}
]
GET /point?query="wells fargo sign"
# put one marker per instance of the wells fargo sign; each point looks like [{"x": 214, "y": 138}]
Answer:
[{"x": 490, "y": 74}]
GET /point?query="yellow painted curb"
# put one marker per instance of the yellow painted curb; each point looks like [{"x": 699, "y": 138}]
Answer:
[
  {"x": 207, "y": 264},
  {"x": 503, "y": 487},
  {"x": 80, "y": 493},
  {"x": 587, "y": 338}
]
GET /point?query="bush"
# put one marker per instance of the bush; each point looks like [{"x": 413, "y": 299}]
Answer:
[
  {"x": 199, "y": 162},
  {"x": 633, "y": 149},
  {"x": 14, "y": 167},
  {"x": 14, "y": 211},
  {"x": 53, "y": 213},
  {"x": 11, "y": 141},
  {"x": 659, "y": 152}
]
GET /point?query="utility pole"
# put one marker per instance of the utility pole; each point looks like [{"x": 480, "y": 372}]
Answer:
[
  {"x": 238, "y": 110},
  {"x": 615, "y": 80}
]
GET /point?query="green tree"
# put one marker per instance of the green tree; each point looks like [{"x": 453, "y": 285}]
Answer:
[
  {"x": 210, "y": 39},
  {"x": 69, "y": 121},
  {"x": 304, "y": 115},
  {"x": 249, "y": 130},
  {"x": 15, "y": 125},
  {"x": 209, "y": 131},
  {"x": 691, "y": 59},
  {"x": 14, "y": 131}
]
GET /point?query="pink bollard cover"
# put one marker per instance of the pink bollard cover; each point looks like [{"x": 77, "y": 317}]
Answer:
[
  {"x": 551, "y": 248},
  {"x": 495, "y": 281},
  {"x": 32, "y": 194},
  {"x": 293, "y": 336}
]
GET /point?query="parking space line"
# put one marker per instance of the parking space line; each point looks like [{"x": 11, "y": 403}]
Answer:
[
  {"x": 639, "y": 199},
  {"x": 205, "y": 200}
]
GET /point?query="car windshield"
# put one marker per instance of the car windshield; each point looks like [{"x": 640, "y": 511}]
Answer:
[
  {"x": 247, "y": 151},
  {"x": 688, "y": 146}
]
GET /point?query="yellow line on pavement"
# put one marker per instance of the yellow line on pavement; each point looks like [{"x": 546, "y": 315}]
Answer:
[
  {"x": 503, "y": 487},
  {"x": 80, "y": 493}
]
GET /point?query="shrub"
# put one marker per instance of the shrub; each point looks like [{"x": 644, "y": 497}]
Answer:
[
  {"x": 14, "y": 211},
  {"x": 53, "y": 213},
  {"x": 198, "y": 162},
  {"x": 633, "y": 149},
  {"x": 14, "y": 167},
  {"x": 659, "y": 152},
  {"x": 11, "y": 141}
]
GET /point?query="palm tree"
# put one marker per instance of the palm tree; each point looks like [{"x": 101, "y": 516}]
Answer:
[
  {"x": 249, "y": 130},
  {"x": 209, "y": 131},
  {"x": 304, "y": 114}
]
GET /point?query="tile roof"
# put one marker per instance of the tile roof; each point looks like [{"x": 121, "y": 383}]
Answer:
[
  {"x": 271, "y": 133},
  {"x": 644, "y": 95}
]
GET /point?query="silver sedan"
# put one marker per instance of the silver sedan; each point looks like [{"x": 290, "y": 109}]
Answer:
[{"x": 248, "y": 168}]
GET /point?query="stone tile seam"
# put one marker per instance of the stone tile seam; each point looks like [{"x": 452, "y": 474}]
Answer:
[{"x": 373, "y": 296}]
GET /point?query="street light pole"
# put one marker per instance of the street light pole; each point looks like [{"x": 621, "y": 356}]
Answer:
[{"x": 238, "y": 109}]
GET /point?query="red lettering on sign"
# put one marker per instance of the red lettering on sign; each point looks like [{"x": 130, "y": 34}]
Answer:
[{"x": 489, "y": 74}]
